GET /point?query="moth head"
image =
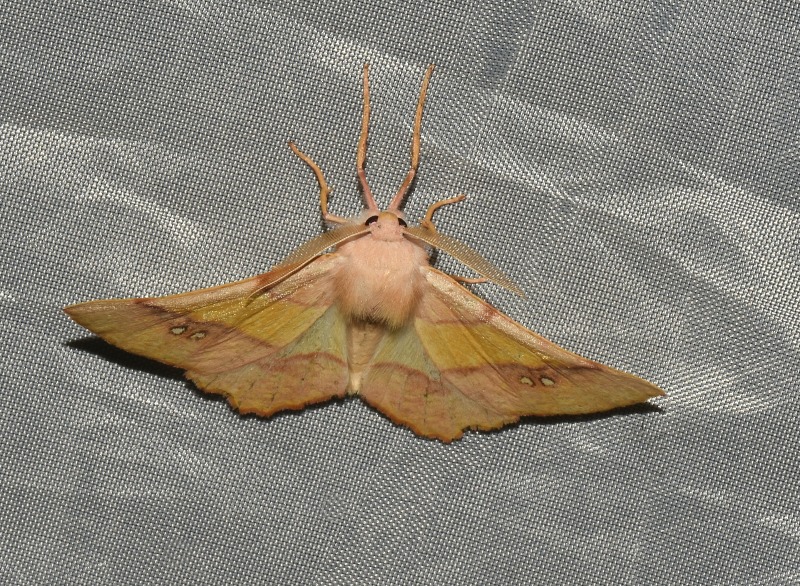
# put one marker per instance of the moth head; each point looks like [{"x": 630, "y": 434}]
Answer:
[{"x": 388, "y": 225}]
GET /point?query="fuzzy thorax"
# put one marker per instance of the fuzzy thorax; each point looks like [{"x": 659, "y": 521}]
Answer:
[{"x": 379, "y": 278}]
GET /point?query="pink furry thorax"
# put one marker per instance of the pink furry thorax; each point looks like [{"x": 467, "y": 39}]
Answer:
[{"x": 379, "y": 277}]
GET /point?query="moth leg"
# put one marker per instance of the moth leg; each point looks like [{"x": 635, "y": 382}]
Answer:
[
  {"x": 324, "y": 190},
  {"x": 401, "y": 193},
  {"x": 361, "y": 153},
  {"x": 427, "y": 221},
  {"x": 470, "y": 280}
]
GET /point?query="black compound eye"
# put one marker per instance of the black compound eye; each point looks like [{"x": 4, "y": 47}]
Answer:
[
  {"x": 370, "y": 220},
  {"x": 402, "y": 222}
]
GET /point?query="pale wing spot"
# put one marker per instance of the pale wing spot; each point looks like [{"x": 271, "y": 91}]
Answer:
[
  {"x": 178, "y": 330},
  {"x": 548, "y": 382},
  {"x": 526, "y": 381},
  {"x": 198, "y": 336}
]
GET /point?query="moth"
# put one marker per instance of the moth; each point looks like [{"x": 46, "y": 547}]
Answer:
[{"x": 372, "y": 318}]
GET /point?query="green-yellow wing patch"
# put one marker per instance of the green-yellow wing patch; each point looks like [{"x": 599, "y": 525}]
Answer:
[
  {"x": 267, "y": 343},
  {"x": 403, "y": 383},
  {"x": 464, "y": 365}
]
